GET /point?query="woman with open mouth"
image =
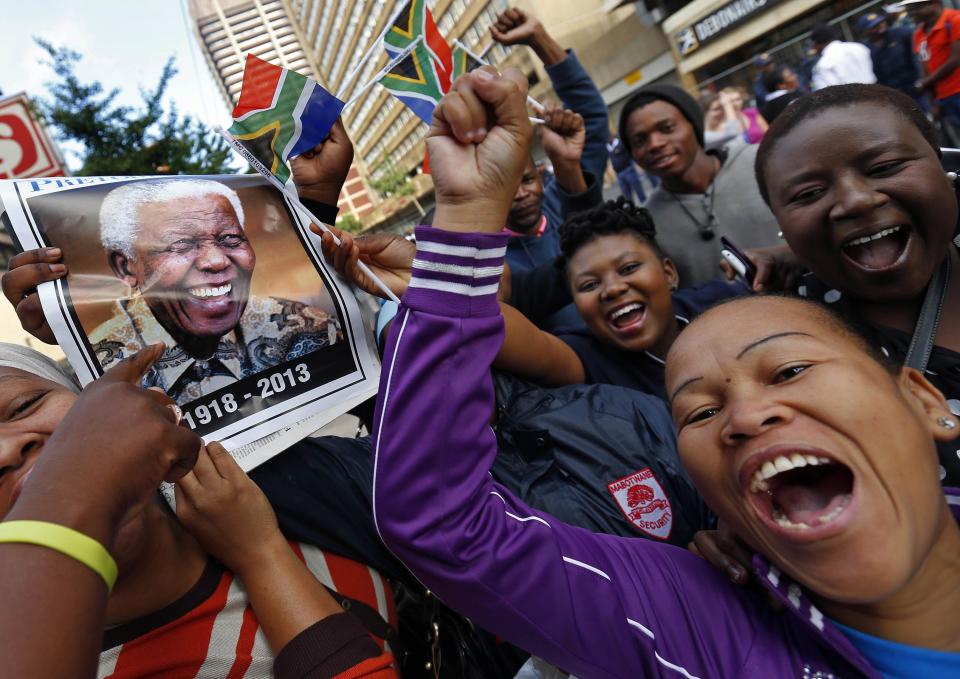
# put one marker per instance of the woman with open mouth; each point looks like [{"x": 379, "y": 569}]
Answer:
[
  {"x": 793, "y": 428},
  {"x": 213, "y": 588},
  {"x": 797, "y": 434},
  {"x": 853, "y": 176}
]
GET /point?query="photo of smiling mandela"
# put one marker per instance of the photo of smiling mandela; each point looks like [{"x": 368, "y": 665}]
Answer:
[{"x": 180, "y": 247}]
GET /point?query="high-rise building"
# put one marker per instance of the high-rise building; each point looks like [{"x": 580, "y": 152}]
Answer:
[
  {"x": 328, "y": 39},
  {"x": 622, "y": 49},
  {"x": 338, "y": 33},
  {"x": 230, "y": 29}
]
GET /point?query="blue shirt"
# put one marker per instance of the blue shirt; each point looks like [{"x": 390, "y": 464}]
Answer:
[
  {"x": 577, "y": 92},
  {"x": 893, "y": 62},
  {"x": 899, "y": 661},
  {"x": 607, "y": 364}
]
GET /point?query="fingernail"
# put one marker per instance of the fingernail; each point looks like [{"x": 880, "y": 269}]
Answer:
[
  {"x": 53, "y": 252},
  {"x": 177, "y": 413},
  {"x": 484, "y": 75},
  {"x": 734, "y": 573},
  {"x": 57, "y": 268},
  {"x": 482, "y": 132}
]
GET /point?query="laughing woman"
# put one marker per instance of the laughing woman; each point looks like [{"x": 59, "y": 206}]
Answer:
[
  {"x": 794, "y": 430},
  {"x": 853, "y": 176},
  {"x": 222, "y": 575}
]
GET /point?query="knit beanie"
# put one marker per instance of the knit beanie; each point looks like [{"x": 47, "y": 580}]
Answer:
[{"x": 671, "y": 94}]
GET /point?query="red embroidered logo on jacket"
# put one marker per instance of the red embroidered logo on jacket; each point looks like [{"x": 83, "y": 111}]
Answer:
[{"x": 642, "y": 500}]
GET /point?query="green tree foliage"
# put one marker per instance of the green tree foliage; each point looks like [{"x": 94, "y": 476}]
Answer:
[
  {"x": 393, "y": 182},
  {"x": 349, "y": 223},
  {"x": 127, "y": 140}
]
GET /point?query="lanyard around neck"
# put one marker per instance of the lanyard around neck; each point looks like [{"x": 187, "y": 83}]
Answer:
[{"x": 925, "y": 332}]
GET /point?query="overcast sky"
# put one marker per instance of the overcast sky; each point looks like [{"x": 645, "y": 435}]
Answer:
[{"x": 124, "y": 44}]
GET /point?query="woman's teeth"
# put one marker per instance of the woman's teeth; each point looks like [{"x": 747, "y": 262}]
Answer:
[
  {"x": 783, "y": 521},
  {"x": 780, "y": 464},
  {"x": 211, "y": 292},
  {"x": 876, "y": 236},
  {"x": 623, "y": 311}
]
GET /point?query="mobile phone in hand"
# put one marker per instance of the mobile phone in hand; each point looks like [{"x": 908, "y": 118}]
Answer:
[{"x": 738, "y": 260}]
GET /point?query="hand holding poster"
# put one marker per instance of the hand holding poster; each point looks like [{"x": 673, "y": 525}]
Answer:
[{"x": 224, "y": 271}]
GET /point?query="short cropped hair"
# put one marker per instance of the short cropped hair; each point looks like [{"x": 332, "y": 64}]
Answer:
[
  {"x": 812, "y": 105},
  {"x": 611, "y": 218},
  {"x": 772, "y": 78},
  {"x": 823, "y": 34},
  {"x": 854, "y": 328},
  {"x": 120, "y": 210}
]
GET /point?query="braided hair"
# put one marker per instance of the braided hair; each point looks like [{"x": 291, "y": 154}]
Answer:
[{"x": 613, "y": 217}]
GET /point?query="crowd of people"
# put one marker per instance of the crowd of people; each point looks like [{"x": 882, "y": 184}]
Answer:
[{"x": 598, "y": 449}]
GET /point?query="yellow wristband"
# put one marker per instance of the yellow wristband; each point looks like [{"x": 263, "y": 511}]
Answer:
[{"x": 65, "y": 540}]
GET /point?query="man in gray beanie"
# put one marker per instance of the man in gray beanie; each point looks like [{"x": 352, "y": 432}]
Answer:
[{"x": 703, "y": 194}]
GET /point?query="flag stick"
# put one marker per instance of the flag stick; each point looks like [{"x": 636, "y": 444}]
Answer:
[
  {"x": 537, "y": 121},
  {"x": 295, "y": 199},
  {"x": 386, "y": 69},
  {"x": 486, "y": 49},
  {"x": 533, "y": 102},
  {"x": 367, "y": 54}
]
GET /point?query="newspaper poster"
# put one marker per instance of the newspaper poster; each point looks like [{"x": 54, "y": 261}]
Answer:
[{"x": 224, "y": 270}]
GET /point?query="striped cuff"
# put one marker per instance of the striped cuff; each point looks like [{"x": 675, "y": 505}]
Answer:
[{"x": 456, "y": 274}]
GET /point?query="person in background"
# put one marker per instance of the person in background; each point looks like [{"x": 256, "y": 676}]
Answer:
[
  {"x": 722, "y": 126},
  {"x": 891, "y": 51},
  {"x": 839, "y": 62},
  {"x": 627, "y": 175},
  {"x": 754, "y": 125},
  {"x": 784, "y": 86},
  {"x": 578, "y": 153},
  {"x": 703, "y": 194},
  {"x": 807, "y": 62},
  {"x": 762, "y": 63},
  {"x": 936, "y": 42}
]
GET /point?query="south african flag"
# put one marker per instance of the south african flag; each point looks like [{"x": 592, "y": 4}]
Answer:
[
  {"x": 413, "y": 21},
  {"x": 411, "y": 80},
  {"x": 281, "y": 114},
  {"x": 464, "y": 60}
]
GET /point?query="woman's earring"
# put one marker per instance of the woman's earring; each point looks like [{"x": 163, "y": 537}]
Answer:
[
  {"x": 947, "y": 422},
  {"x": 952, "y": 176}
]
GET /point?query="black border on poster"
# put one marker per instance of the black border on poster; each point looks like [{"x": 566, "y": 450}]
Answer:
[{"x": 246, "y": 409}]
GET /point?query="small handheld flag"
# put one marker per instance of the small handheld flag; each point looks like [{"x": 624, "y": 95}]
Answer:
[
  {"x": 464, "y": 60},
  {"x": 416, "y": 20},
  {"x": 281, "y": 114},
  {"x": 412, "y": 81}
]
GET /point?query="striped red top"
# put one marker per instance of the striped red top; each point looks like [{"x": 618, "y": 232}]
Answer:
[{"x": 212, "y": 631}]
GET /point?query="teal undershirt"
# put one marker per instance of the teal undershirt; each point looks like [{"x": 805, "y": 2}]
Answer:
[{"x": 899, "y": 661}]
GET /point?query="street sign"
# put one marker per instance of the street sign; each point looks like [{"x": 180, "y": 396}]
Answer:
[{"x": 26, "y": 149}]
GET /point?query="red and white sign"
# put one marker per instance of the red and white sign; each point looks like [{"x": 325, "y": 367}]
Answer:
[
  {"x": 642, "y": 500},
  {"x": 26, "y": 149}
]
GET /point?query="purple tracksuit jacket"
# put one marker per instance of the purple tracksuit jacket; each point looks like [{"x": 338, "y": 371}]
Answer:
[{"x": 595, "y": 605}]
